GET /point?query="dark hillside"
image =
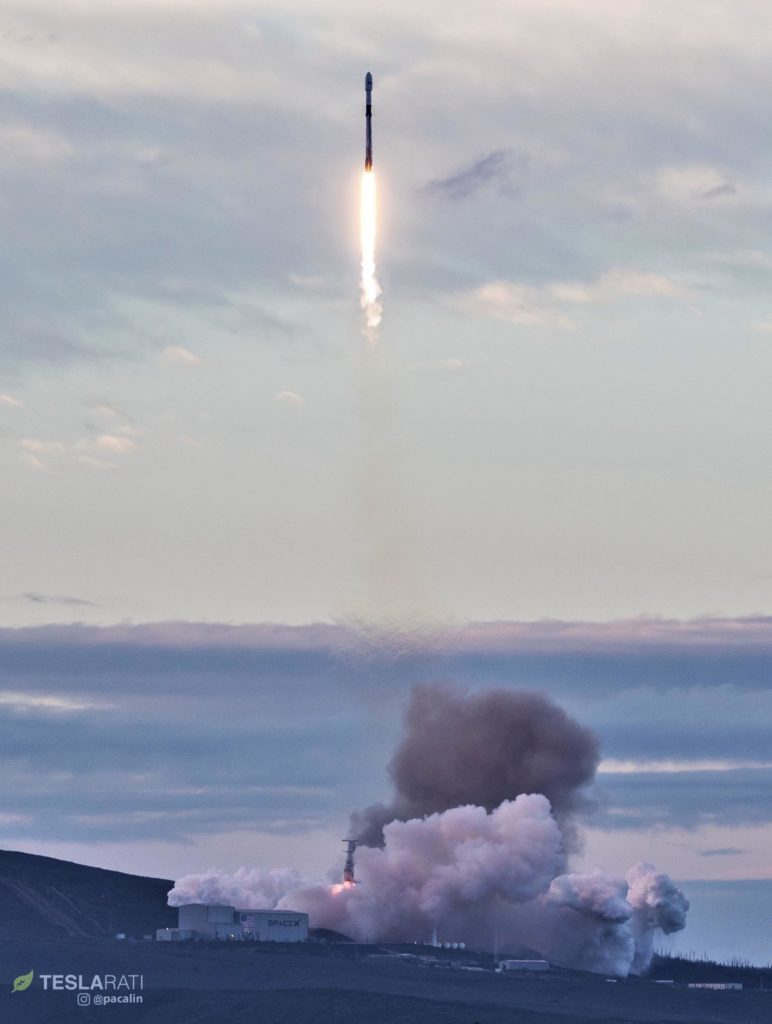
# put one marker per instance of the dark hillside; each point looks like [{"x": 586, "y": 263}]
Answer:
[{"x": 76, "y": 901}]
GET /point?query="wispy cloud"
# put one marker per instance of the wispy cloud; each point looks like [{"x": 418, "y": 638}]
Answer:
[
  {"x": 546, "y": 305},
  {"x": 118, "y": 445},
  {"x": 65, "y": 600},
  {"x": 763, "y": 326},
  {"x": 289, "y": 398},
  {"x": 35, "y": 453},
  {"x": 38, "y": 453},
  {"x": 621, "y": 282},
  {"x": 683, "y": 800},
  {"x": 502, "y": 169},
  {"x": 29, "y": 144},
  {"x": 514, "y": 303},
  {"x": 610, "y": 766},
  {"x": 39, "y": 447},
  {"x": 695, "y": 182},
  {"x": 753, "y": 259},
  {"x": 176, "y": 354},
  {"x": 102, "y": 464},
  {"x": 52, "y": 702},
  {"x": 724, "y": 851}
]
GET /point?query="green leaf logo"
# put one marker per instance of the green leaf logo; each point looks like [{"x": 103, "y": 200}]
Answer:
[{"x": 23, "y": 981}]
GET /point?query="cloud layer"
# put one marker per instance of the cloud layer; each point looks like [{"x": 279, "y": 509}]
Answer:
[{"x": 106, "y": 730}]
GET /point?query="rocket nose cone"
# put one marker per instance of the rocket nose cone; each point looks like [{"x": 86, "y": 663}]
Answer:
[{"x": 368, "y": 81}]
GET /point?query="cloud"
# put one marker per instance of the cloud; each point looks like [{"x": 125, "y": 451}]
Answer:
[
  {"x": 65, "y": 600},
  {"x": 179, "y": 355},
  {"x": 611, "y": 766},
  {"x": 39, "y": 447},
  {"x": 619, "y": 281},
  {"x": 502, "y": 169},
  {"x": 655, "y": 692},
  {"x": 725, "y": 851},
  {"x": 27, "y": 145},
  {"x": 25, "y": 702},
  {"x": 683, "y": 800},
  {"x": 695, "y": 182},
  {"x": 100, "y": 772},
  {"x": 118, "y": 445},
  {"x": 763, "y": 326},
  {"x": 33, "y": 461},
  {"x": 289, "y": 398},
  {"x": 514, "y": 303},
  {"x": 754, "y": 259},
  {"x": 36, "y": 451},
  {"x": 543, "y": 306}
]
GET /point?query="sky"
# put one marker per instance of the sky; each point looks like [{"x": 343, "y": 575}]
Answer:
[{"x": 552, "y": 473}]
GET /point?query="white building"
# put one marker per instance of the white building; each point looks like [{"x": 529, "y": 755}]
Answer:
[{"x": 217, "y": 921}]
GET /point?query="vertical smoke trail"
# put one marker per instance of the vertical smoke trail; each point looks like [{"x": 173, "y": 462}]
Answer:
[
  {"x": 369, "y": 288},
  {"x": 391, "y": 579}
]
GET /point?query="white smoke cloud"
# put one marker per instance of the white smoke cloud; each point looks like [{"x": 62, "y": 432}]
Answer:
[
  {"x": 466, "y": 872},
  {"x": 443, "y": 871},
  {"x": 657, "y": 904},
  {"x": 248, "y": 889},
  {"x": 594, "y": 895}
]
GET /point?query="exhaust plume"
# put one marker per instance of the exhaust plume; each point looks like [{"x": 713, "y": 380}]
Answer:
[
  {"x": 446, "y": 872},
  {"x": 370, "y": 290},
  {"x": 483, "y": 749},
  {"x": 470, "y": 875},
  {"x": 657, "y": 904},
  {"x": 474, "y": 846}
]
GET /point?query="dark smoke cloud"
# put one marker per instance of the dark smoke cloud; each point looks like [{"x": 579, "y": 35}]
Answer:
[{"x": 482, "y": 749}]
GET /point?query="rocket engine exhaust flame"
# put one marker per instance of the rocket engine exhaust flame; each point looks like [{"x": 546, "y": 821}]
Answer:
[{"x": 370, "y": 290}]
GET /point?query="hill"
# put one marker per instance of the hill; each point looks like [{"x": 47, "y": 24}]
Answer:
[{"x": 42, "y": 895}]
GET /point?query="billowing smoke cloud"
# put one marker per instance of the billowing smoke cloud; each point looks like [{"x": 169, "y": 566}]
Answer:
[
  {"x": 474, "y": 844},
  {"x": 658, "y": 904},
  {"x": 482, "y": 749},
  {"x": 445, "y": 871},
  {"x": 243, "y": 888},
  {"x": 468, "y": 874}
]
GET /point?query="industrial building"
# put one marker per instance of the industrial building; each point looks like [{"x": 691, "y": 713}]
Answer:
[
  {"x": 215, "y": 921},
  {"x": 524, "y": 965}
]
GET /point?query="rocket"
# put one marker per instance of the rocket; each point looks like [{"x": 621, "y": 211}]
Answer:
[
  {"x": 368, "y": 122},
  {"x": 348, "y": 870}
]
